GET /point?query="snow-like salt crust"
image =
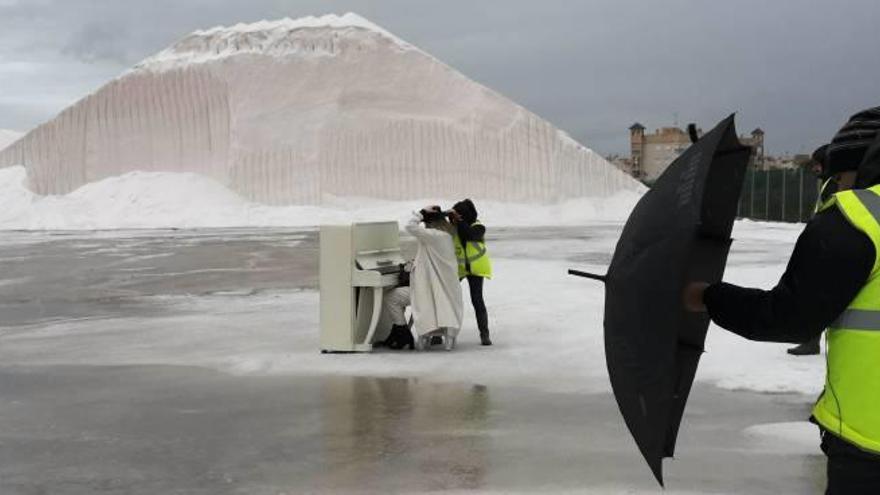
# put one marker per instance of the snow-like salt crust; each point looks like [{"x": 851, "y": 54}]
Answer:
[
  {"x": 563, "y": 332},
  {"x": 223, "y": 41},
  {"x": 189, "y": 200},
  {"x": 548, "y": 325},
  {"x": 795, "y": 437},
  {"x": 163, "y": 200},
  {"x": 349, "y": 19},
  {"x": 8, "y": 137}
]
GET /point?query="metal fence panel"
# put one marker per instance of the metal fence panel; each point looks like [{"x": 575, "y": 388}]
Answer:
[{"x": 779, "y": 195}]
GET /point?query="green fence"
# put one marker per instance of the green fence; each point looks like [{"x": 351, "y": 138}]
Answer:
[{"x": 779, "y": 195}]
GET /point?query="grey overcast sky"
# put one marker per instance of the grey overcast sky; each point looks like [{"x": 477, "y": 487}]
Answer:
[{"x": 796, "y": 68}]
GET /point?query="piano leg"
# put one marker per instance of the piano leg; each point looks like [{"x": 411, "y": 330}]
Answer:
[{"x": 374, "y": 318}]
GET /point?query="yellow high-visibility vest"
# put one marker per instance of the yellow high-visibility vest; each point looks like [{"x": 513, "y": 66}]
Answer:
[
  {"x": 473, "y": 258},
  {"x": 850, "y": 405},
  {"x": 821, "y": 205}
]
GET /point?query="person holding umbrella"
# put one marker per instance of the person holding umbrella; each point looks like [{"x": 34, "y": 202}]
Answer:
[
  {"x": 832, "y": 281},
  {"x": 473, "y": 259},
  {"x": 826, "y": 191}
]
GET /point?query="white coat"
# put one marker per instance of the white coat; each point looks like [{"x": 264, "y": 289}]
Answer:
[{"x": 434, "y": 285}]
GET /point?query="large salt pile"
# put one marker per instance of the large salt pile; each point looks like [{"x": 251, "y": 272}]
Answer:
[
  {"x": 304, "y": 111},
  {"x": 8, "y": 137}
]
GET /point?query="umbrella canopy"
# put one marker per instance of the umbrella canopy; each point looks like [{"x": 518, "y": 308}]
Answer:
[{"x": 678, "y": 232}]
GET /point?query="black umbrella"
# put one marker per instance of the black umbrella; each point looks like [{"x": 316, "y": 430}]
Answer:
[{"x": 678, "y": 232}]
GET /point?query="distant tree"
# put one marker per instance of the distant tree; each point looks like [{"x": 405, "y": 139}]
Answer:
[{"x": 803, "y": 161}]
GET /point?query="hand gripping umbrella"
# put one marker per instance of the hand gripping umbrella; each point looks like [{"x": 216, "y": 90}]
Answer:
[{"x": 678, "y": 232}]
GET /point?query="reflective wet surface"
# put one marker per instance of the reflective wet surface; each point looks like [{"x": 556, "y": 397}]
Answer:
[
  {"x": 165, "y": 429},
  {"x": 63, "y": 275},
  {"x": 45, "y": 276}
]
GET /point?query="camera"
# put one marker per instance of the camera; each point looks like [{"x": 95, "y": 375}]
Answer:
[{"x": 432, "y": 215}]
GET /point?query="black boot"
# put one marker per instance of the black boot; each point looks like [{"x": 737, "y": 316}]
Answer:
[
  {"x": 407, "y": 339},
  {"x": 389, "y": 340},
  {"x": 810, "y": 348},
  {"x": 400, "y": 338},
  {"x": 484, "y": 337}
]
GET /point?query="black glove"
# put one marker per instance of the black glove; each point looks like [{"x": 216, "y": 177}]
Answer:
[{"x": 402, "y": 276}]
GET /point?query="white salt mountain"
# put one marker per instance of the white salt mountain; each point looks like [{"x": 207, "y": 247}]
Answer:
[
  {"x": 296, "y": 111},
  {"x": 8, "y": 137}
]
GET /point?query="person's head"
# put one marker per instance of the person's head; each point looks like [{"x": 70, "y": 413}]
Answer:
[
  {"x": 869, "y": 170},
  {"x": 466, "y": 210},
  {"x": 433, "y": 217},
  {"x": 847, "y": 150},
  {"x": 819, "y": 163}
]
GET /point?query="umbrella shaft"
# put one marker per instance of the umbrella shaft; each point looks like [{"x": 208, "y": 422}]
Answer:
[{"x": 593, "y": 276}]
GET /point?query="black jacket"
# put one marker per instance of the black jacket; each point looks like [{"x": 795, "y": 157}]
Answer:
[
  {"x": 466, "y": 229},
  {"x": 830, "y": 264}
]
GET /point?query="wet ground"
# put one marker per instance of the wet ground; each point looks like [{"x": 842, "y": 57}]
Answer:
[
  {"x": 149, "y": 428},
  {"x": 63, "y": 275},
  {"x": 162, "y": 429},
  {"x": 55, "y": 276}
]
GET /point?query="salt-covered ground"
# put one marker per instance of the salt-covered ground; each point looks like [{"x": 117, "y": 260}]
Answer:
[
  {"x": 243, "y": 302},
  {"x": 542, "y": 319},
  {"x": 149, "y": 200}
]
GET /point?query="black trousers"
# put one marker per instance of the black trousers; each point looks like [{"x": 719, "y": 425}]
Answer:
[
  {"x": 475, "y": 284},
  {"x": 851, "y": 471}
]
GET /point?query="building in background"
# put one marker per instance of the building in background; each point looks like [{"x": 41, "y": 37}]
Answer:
[
  {"x": 755, "y": 140},
  {"x": 650, "y": 154}
]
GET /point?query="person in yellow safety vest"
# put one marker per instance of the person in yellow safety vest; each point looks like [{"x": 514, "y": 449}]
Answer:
[
  {"x": 832, "y": 281},
  {"x": 473, "y": 259},
  {"x": 826, "y": 192}
]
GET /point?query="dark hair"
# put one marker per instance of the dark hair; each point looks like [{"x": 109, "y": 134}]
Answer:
[
  {"x": 467, "y": 210},
  {"x": 820, "y": 158}
]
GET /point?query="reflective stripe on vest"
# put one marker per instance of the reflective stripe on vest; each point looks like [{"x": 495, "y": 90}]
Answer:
[
  {"x": 479, "y": 248},
  {"x": 820, "y": 204},
  {"x": 858, "y": 319},
  {"x": 850, "y": 406}
]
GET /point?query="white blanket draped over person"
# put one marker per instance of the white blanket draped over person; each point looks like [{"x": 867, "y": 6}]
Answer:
[{"x": 435, "y": 291}]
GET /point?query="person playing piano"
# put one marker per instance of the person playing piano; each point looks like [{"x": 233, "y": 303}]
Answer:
[{"x": 434, "y": 291}]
